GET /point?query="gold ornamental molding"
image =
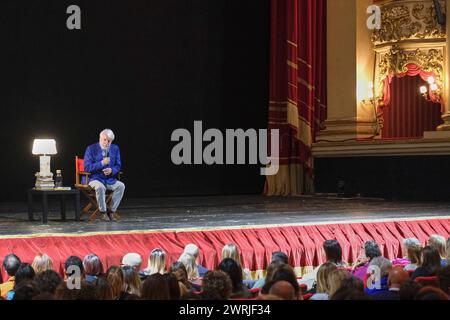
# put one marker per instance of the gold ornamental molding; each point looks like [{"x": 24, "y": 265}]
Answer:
[
  {"x": 408, "y": 20},
  {"x": 395, "y": 62}
]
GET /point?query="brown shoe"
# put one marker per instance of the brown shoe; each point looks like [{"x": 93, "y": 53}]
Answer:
[
  {"x": 112, "y": 216},
  {"x": 105, "y": 217}
]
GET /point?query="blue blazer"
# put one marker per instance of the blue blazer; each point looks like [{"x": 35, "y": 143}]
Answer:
[{"x": 93, "y": 163}]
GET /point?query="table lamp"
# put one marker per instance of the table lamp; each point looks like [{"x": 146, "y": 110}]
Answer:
[{"x": 44, "y": 148}]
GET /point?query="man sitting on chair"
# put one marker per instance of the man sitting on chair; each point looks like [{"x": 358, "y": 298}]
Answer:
[{"x": 102, "y": 161}]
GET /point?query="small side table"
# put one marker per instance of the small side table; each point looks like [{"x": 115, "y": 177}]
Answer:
[{"x": 45, "y": 194}]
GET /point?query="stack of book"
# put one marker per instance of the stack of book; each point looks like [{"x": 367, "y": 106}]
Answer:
[{"x": 44, "y": 182}]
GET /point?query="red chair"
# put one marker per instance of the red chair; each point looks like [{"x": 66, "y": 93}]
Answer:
[
  {"x": 92, "y": 207},
  {"x": 307, "y": 296},
  {"x": 427, "y": 281}
]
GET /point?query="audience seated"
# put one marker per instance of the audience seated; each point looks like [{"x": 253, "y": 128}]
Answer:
[
  {"x": 25, "y": 272},
  {"x": 322, "y": 288},
  {"x": 397, "y": 276},
  {"x": 333, "y": 254},
  {"x": 115, "y": 277},
  {"x": 283, "y": 272},
  {"x": 132, "y": 281},
  {"x": 371, "y": 250},
  {"x": 156, "y": 262},
  {"x": 351, "y": 288},
  {"x": 216, "y": 285},
  {"x": 379, "y": 268},
  {"x": 93, "y": 267},
  {"x": 438, "y": 242},
  {"x": 283, "y": 290},
  {"x": 430, "y": 263},
  {"x": 409, "y": 289},
  {"x": 231, "y": 251},
  {"x": 155, "y": 287},
  {"x": 331, "y": 281},
  {"x": 443, "y": 278},
  {"x": 11, "y": 263},
  {"x": 269, "y": 272},
  {"x": 73, "y": 261},
  {"x": 41, "y": 263},
  {"x": 193, "y": 250},
  {"x": 411, "y": 250},
  {"x": 234, "y": 271}
]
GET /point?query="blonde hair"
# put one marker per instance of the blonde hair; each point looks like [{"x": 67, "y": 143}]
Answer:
[
  {"x": 230, "y": 251},
  {"x": 438, "y": 242},
  {"x": 192, "y": 249},
  {"x": 156, "y": 262},
  {"x": 42, "y": 262},
  {"x": 335, "y": 280},
  {"x": 188, "y": 260},
  {"x": 323, "y": 277}
]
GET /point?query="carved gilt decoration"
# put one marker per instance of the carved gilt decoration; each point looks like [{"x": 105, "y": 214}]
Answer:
[{"x": 408, "y": 20}]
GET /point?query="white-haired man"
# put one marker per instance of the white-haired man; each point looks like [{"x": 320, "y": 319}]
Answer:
[{"x": 102, "y": 161}]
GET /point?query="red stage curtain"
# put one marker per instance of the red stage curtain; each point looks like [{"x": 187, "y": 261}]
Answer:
[
  {"x": 303, "y": 244},
  {"x": 406, "y": 114},
  {"x": 297, "y": 89}
]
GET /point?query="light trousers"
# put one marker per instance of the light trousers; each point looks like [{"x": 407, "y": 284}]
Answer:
[{"x": 117, "y": 188}]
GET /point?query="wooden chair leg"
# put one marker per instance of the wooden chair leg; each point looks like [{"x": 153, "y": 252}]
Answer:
[{"x": 94, "y": 215}]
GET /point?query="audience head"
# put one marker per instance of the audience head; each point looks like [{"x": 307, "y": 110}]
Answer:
[
  {"x": 103, "y": 289},
  {"x": 190, "y": 264},
  {"x": 11, "y": 263},
  {"x": 335, "y": 280},
  {"x": 174, "y": 287},
  {"x": 47, "y": 281},
  {"x": 92, "y": 265},
  {"x": 438, "y": 242},
  {"x": 431, "y": 293},
  {"x": 333, "y": 251},
  {"x": 410, "y": 242},
  {"x": 272, "y": 267},
  {"x": 25, "y": 272},
  {"x": 216, "y": 285},
  {"x": 280, "y": 256},
  {"x": 383, "y": 264},
  {"x": 283, "y": 289},
  {"x": 156, "y": 262},
  {"x": 155, "y": 288},
  {"x": 26, "y": 290},
  {"x": 76, "y": 262},
  {"x": 192, "y": 249},
  {"x": 133, "y": 260},
  {"x": 231, "y": 251},
  {"x": 42, "y": 262},
  {"x": 371, "y": 249},
  {"x": 286, "y": 273},
  {"x": 351, "y": 288},
  {"x": 415, "y": 254},
  {"x": 132, "y": 282},
  {"x": 114, "y": 276},
  {"x": 409, "y": 289},
  {"x": 234, "y": 271},
  {"x": 443, "y": 276},
  {"x": 397, "y": 276},
  {"x": 88, "y": 291},
  {"x": 323, "y": 277},
  {"x": 179, "y": 270},
  {"x": 431, "y": 259}
]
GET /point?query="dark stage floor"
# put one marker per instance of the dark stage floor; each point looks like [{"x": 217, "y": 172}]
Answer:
[{"x": 219, "y": 212}]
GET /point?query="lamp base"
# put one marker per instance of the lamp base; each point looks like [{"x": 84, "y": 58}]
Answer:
[{"x": 44, "y": 182}]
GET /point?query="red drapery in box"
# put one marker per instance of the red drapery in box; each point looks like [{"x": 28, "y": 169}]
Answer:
[
  {"x": 297, "y": 89},
  {"x": 406, "y": 114}
]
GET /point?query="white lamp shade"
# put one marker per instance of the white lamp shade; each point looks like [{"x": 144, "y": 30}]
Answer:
[{"x": 44, "y": 146}]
